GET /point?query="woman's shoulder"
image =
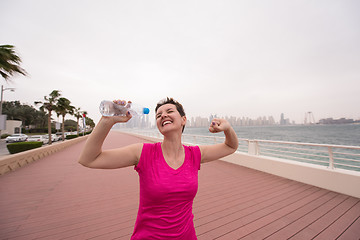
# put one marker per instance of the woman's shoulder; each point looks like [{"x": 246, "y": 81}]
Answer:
[
  {"x": 195, "y": 155},
  {"x": 147, "y": 152},
  {"x": 193, "y": 149},
  {"x": 149, "y": 147}
]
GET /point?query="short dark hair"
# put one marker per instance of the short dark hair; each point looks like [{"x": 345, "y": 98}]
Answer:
[
  {"x": 178, "y": 106},
  {"x": 167, "y": 100}
]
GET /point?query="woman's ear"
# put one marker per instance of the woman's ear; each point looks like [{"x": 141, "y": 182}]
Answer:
[{"x": 183, "y": 120}]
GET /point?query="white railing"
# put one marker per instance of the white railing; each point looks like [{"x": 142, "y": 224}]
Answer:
[{"x": 332, "y": 156}]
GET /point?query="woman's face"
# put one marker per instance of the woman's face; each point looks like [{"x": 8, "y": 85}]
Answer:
[{"x": 169, "y": 119}]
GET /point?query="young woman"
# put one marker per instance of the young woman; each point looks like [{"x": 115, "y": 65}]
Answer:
[{"x": 168, "y": 170}]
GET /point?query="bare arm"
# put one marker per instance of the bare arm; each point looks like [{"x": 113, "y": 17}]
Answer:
[
  {"x": 92, "y": 155},
  {"x": 216, "y": 151}
]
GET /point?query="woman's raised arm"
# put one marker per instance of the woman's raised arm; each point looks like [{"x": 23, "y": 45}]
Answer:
[
  {"x": 216, "y": 151},
  {"x": 92, "y": 155}
]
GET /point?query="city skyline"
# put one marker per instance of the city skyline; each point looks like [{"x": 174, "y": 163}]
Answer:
[
  {"x": 145, "y": 121},
  {"x": 200, "y": 121}
]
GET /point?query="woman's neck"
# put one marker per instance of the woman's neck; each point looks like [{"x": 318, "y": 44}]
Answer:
[{"x": 172, "y": 145}]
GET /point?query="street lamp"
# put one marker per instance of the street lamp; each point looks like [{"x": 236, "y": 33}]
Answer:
[
  {"x": 2, "y": 93},
  {"x": 1, "y": 102}
]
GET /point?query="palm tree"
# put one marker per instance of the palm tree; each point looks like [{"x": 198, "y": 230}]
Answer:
[
  {"x": 78, "y": 114},
  {"x": 63, "y": 107},
  {"x": 9, "y": 62},
  {"x": 50, "y": 105}
]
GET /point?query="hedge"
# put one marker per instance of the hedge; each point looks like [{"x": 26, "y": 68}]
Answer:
[
  {"x": 71, "y": 136},
  {"x": 22, "y": 146}
]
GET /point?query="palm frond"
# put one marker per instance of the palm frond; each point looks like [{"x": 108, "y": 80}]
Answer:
[{"x": 10, "y": 62}]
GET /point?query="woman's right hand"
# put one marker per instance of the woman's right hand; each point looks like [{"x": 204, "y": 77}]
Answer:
[{"x": 119, "y": 119}]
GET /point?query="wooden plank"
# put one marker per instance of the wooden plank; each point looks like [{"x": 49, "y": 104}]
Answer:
[
  {"x": 294, "y": 224},
  {"x": 353, "y": 232},
  {"x": 341, "y": 225},
  {"x": 321, "y": 224}
]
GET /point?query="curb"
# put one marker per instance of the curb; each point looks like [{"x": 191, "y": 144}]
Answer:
[{"x": 12, "y": 162}]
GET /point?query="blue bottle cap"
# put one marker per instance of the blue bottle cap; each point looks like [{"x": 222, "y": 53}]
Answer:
[{"x": 146, "y": 111}]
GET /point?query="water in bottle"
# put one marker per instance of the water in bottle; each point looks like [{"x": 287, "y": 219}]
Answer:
[{"x": 109, "y": 108}]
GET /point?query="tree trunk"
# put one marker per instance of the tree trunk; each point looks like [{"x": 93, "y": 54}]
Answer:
[
  {"x": 49, "y": 128},
  {"x": 63, "y": 128},
  {"x": 77, "y": 126}
]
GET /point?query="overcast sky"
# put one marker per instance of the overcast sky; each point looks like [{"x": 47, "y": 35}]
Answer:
[{"x": 233, "y": 58}]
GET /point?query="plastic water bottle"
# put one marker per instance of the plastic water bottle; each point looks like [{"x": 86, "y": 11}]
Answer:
[{"x": 109, "y": 108}]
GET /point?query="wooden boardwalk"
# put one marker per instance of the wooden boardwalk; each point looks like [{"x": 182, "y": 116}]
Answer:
[{"x": 56, "y": 198}]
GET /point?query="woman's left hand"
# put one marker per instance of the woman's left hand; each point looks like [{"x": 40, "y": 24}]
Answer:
[
  {"x": 219, "y": 125},
  {"x": 217, "y": 151}
]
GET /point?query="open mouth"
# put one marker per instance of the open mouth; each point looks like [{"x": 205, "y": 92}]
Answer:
[{"x": 166, "y": 122}]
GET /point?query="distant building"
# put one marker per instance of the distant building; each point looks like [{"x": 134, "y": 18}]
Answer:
[
  {"x": 201, "y": 122},
  {"x": 271, "y": 120},
  {"x": 12, "y": 127},
  {"x": 282, "y": 119},
  {"x": 337, "y": 121}
]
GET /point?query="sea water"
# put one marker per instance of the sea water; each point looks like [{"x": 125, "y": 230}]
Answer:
[{"x": 339, "y": 134}]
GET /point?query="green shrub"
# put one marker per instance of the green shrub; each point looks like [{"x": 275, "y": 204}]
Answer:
[
  {"x": 5, "y": 136},
  {"x": 22, "y": 146},
  {"x": 71, "y": 136}
]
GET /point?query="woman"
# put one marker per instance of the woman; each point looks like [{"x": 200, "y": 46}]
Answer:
[{"x": 168, "y": 170}]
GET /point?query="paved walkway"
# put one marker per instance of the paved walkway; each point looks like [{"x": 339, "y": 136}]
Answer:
[{"x": 56, "y": 198}]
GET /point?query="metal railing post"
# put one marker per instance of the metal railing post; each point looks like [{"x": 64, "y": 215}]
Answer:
[
  {"x": 331, "y": 158},
  {"x": 250, "y": 147},
  {"x": 253, "y": 148}
]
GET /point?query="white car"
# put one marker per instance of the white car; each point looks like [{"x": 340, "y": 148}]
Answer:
[
  {"x": 59, "y": 135},
  {"x": 38, "y": 138},
  {"x": 54, "y": 137},
  {"x": 16, "y": 138}
]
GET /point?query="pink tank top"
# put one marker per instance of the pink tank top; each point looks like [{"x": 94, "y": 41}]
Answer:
[{"x": 166, "y": 195}]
